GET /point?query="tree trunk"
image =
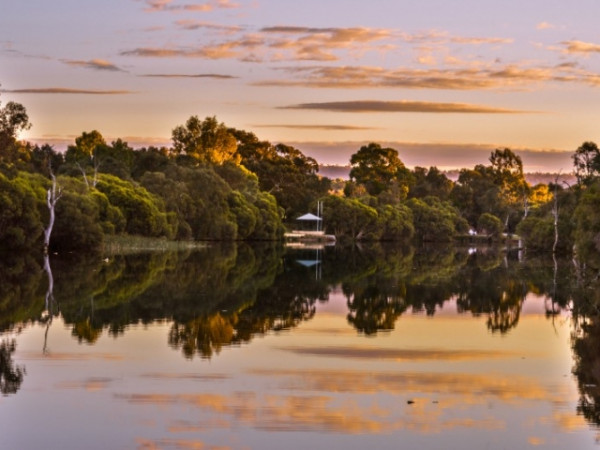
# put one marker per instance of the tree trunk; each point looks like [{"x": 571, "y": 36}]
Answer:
[{"x": 52, "y": 197}]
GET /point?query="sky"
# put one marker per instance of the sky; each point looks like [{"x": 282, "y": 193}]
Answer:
[{"x": 443, "y": 82}]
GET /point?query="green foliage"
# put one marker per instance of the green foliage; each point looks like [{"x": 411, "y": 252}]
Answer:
[
  {"x": 143, "y": 212},
  {"x": 587, "y": 220},
  {"x": 396, "y": 222},
  {"x": 499, "y": 189},
  {"x": 77, "y": 225},
  {"x": 430, "y": 182},
  {"x": 490, "y": 225},
  {"x": 376, "y": 168},
  {"x": 538, "y": 232},
  {"x": 350, "y": 218},
  {"x": 206, "y": 141},
  {"x": 435, "y": 220},
  {"x": 13, "y": 120},
  {"x": 20, "y": 219},
  {"x": 586, "y": 162},
  {"x": 284, "y": 172},
  {"x": 85, "y": 147}
]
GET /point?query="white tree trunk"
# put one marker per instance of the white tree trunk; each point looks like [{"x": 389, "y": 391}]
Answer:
[{"x": 52, "y": 197}]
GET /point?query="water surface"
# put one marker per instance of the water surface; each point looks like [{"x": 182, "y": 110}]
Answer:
[{"x": 242, "y": 347}]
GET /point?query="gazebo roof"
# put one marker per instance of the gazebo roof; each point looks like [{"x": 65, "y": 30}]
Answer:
[{"x": 308, "y": 217}]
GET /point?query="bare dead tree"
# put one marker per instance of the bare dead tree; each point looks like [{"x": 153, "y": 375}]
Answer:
[
  {"x": 555, "y": 214},
  {"x": 52, "y": 196}
]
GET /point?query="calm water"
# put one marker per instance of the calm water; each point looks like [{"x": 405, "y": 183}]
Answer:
[{"x": 247, "y": 348}]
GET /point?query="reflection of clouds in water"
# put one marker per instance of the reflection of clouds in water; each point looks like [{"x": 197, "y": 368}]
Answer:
[
  {"x": 186, "y": 376},
  {"x": 74, "y": 356},
  {"x": 91, "y": 384},
  {"x": 175, "y": 444},
  {"x": 319, "y": 413},
  {"x": 465, "y": 388},
  {"x": 400, "y": 354}
]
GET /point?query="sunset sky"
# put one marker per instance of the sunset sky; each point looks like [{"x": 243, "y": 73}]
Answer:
[{"x": 443, "y": 82}]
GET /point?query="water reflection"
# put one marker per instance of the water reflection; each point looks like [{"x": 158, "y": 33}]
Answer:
[
  {"x": 227, "y": 295},
  {"x": 11, "y": 375}
]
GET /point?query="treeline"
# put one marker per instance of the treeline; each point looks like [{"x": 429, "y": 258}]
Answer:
[{"x": 220, "y": 183}]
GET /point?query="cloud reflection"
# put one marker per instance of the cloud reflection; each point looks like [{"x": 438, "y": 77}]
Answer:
[
  {"x": 399, "y": 354},
  {"x": 331, "y": 401}
]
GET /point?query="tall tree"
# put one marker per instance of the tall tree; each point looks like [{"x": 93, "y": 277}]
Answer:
[
  {"x": 206, "y": 141},
  {"x": 586, "y": 162},
  {"x": 376, "y": 168},
  {"x": 13, "y": 120}
]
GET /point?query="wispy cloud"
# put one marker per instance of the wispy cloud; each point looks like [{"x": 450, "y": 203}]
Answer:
[
  {"x": 224, "y": 50},
  {"x": 316, "y": 127},
  {"x": 398, "y": 354},
  {"x": 458, "y": 78},
  {"x": 301, "y": 43},
  {"x": 96, "y": 64},
  {"x": 444, "y": 155},
  {"x": 58, "y": 90},
  {"x": 217, "y": 76},
  {"x": 362, "y": 106},
  {"x": 169, "y": 5},
  {"x": 580, "y": 47},
  {"x": 200, "y": 25},
  {"x": 544, "y": 26}
]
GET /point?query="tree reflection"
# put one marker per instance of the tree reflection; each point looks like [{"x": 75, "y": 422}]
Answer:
[
  {"x": 586, "y": 348},
  {"x": 11, "y": 376}
]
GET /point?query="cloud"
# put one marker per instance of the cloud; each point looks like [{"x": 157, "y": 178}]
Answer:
[
  {"x": 580, "y": 47},
  {"x": 57, "y": 90},
  {"x": 456, "y": 78},
  {"x": 544, "y": 26},
  {"x": 199, "y": 25},
  {"x": 354, "y": 402},
  {"x": 444, "y": 155},
  {"x": 316, "y": 127},
  {"x": 225, "y": 50},
  {"x": 96, "y": 64},
  {"x": 91, "y": 384},
  {"x": 361, "y": 106},
  {"x": 180, "y": 75},
  {"x": 480, "y": 40},
  {"x": 398, "y": 354},
  {"x": 167, "y": 5}
]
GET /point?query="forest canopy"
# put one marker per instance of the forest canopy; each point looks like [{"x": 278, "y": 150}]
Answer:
[{"x": 220, "y": 183}]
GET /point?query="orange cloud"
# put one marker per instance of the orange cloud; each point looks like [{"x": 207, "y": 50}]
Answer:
[
  {"x": 362, "y": 106},
  {"x": 167, "y": 5},
  {"x": 580, "y": 47},
  {"x": 178, "y": 75},
  {"x": 90, "y": 385},
  {"x": 544, "y": 26},
  {"x": 96, "y": 64},
  {"x": 459, "y": 78},
  {"x": 399, "y": 354},
  {"x": 56, "y": 90},
  {"x": 199, "y": 25},
  {"x": 317, "y": 127}
]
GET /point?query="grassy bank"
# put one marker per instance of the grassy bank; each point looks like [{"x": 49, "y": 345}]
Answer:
[{"x": 124, "y": 243}]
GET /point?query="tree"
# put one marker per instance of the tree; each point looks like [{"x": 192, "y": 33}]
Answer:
[
  {"x": 430, "y": 182},
  {"x": 13, "y": 120},
  {"x": 490, "y": 225},
  {"x": 206, "y": 141},
  {"x": 53, "y": 194},
  {"x": 85, "y": 153},
  {"x": 20, "y": 220},
  {"x": 586, "y": 161},
  {"x": 349, "y": 218},
  {"x": 377, "y": 167}
]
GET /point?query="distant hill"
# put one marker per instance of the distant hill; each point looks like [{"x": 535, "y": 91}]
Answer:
[{"x": 533, "y": 178}]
